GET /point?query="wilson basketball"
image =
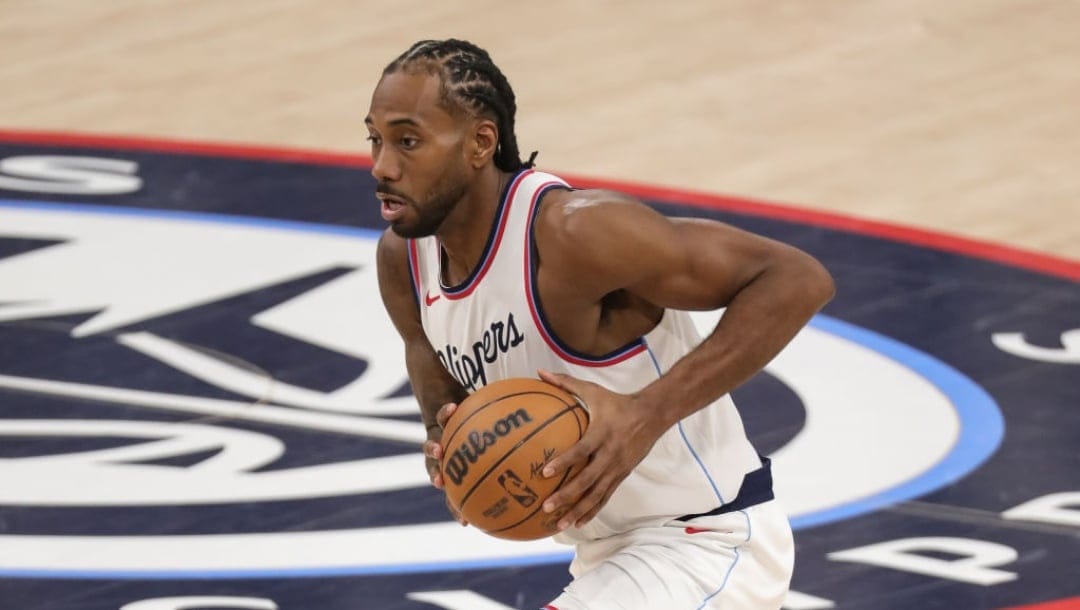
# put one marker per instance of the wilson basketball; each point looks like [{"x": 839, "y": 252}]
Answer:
[{"x": 494, "y": 448}]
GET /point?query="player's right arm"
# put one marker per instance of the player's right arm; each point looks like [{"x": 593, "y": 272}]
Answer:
[{"x": 435, "y": 389}]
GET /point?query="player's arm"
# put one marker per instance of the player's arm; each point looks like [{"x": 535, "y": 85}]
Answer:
[
  {"x": 436, "y": 390},
  {"x": 613, "y": 243}
]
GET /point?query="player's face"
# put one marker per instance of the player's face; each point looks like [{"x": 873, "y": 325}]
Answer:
[{"x": 417, "y": 152}]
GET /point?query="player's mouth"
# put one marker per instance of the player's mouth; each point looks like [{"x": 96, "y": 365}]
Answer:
[{"x": 393, "y": 207}]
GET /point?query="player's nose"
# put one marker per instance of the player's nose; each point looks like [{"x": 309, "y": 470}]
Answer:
[{"x": 385, "y": 166}]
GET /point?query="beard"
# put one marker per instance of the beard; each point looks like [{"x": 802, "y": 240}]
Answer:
[{"x": 435, "y": 207}]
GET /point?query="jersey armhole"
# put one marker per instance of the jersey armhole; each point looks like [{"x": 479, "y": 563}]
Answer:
[{"x": 532, "y": 296}]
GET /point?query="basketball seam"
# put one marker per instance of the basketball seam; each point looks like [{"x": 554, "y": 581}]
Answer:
[
  {"x": 566, "y": 409},
  {"x": 565, "y": 476},
  {"x": 534, "y": 511}
]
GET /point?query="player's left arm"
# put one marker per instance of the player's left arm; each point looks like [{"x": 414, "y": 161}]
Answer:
[{"x": 606, "y": 243}]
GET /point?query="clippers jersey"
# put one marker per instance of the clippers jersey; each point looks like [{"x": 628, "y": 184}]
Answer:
[{"x": 492, "y": 327}]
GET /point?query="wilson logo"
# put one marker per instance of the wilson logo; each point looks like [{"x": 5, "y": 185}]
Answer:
[{"x": 457, "y": 466}]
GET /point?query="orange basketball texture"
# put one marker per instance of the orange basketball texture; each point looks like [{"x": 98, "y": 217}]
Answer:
[{"x": 495, "y": 446}]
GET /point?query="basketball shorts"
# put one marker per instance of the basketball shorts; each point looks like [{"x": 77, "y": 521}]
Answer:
[{"x": 740, "y": 560}]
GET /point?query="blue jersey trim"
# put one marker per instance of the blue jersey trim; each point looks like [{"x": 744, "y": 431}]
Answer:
[
  {"x": 557, "y": 345},
  {"x": 682, "y": 432},
  {"x": 727, "y": 576},
  {"x": 494, "y": 235}
]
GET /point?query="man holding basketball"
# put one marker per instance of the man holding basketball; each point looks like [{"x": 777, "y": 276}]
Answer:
[{"x": 491, "y": 270}]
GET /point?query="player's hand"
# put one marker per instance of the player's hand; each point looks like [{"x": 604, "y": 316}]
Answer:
[
  {"x": 619, "y": 436},
  {"x": 433, "y": 452}
]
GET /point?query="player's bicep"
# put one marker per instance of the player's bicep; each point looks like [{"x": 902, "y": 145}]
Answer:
[
  {"x": 600, "y": 242},
  {"x": 697, "y": 263},
  {"x": 605, "y": 242}
]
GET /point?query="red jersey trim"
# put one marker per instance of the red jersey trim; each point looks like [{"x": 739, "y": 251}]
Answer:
[
  {"x": 562, "y": 350},
  {"x": 414, "y": 270},
  {"x": 467, "y": 288}
]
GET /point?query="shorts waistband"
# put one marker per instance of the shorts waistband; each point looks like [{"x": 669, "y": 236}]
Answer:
[{"x": 756, "y": 489}]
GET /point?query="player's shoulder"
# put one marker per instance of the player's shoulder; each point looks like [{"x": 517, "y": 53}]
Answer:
[
  {"x": 580, "y": 217},
  {"x": 575, "y": 213},
  {"x": 574, "y": 201}
]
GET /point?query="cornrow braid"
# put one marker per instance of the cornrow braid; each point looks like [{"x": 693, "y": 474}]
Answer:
[{"x": 470, "y": 80}]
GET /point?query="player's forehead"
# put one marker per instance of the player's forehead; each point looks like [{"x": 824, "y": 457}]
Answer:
[{"x": 409, "y": 96}]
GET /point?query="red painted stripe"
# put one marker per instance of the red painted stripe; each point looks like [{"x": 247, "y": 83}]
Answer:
[
  {"x": 1007, "y": 255},
  {"x": 998, "y": 253},
  {"x": 549, "y": 607},
  {"x": 213, "y": 149},
  {"x": 1072, "y": 603}
]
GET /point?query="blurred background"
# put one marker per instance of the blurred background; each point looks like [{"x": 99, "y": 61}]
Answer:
[{"x": 958, "y": 116}]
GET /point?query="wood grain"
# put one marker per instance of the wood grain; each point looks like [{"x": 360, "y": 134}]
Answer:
[{"x": 960, "y": 116}]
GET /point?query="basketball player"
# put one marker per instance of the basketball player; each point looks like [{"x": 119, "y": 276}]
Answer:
[{"x": 490, "y": 269}]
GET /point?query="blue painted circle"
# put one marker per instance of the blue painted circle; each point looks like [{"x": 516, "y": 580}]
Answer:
[{"x": 981, "y": 422}]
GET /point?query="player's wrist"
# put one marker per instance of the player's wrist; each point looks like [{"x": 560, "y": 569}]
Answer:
[{"x": 653, "y": 411}]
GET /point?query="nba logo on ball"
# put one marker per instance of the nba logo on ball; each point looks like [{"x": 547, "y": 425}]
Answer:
[
  {"x": 497, "y": 443},
  {"x": 517, "y": 489}
]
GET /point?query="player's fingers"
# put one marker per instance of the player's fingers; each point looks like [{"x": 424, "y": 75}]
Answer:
[
  {"x": 444, "y": 413},
  {"x": 589, "y": 514},
  {"x": 434, "y": 470},
  {"x": 584, "y": 519},
  {"x": 573, "y": 489},
  {"x": 577, "y": 454},
  {"x": 435, "y": 474},
  {"x": 591, "y": 499},
  {"x": 455, "y": 514},
  {"x": 570, "y": 384},
  {"x": 432, "y": 450}
]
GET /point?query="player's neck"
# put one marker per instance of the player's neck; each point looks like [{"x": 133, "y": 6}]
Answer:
[{"x": 465, "y": 231}]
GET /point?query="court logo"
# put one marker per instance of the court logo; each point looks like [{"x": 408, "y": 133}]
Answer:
[{"x": 202, "y": 349}]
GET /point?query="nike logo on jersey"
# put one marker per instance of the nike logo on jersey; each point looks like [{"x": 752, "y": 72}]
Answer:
[{"x": 428, "y": 299}]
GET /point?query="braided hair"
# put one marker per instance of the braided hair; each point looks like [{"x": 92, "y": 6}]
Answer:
[{"x": 471, "y": 81}]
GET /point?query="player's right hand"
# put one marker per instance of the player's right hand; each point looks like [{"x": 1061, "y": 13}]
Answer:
[{"x": 433, "y": 452}]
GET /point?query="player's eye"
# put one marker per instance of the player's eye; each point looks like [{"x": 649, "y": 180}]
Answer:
[
  {"x": 375, "y": 140},
  {"x": 409, "y": 142}
]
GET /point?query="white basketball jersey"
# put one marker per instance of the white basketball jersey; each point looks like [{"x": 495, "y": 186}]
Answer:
[{"x": 492, "y": 327}]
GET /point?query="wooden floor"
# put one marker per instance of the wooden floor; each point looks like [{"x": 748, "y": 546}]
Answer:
[{"x": 958, "y": 116}]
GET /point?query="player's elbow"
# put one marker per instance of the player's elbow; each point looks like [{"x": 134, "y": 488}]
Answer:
[
  {"x": 802, "y": 277},
  {"x": 817, "y": 282}
]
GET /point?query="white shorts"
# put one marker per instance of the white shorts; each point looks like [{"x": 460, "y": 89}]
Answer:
[{"x": 735, "y": 561}]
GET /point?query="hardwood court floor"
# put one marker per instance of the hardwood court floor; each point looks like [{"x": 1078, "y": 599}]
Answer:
[{"x": 959, "y": 116}]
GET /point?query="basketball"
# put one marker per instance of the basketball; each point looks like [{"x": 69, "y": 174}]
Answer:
[{"x": 495, "y": 446}]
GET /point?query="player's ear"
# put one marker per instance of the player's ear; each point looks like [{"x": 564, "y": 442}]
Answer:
[{"x": 485, "y": 140}]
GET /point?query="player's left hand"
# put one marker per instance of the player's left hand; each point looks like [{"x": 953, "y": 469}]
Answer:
[{"x": 619, "y": 436}]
